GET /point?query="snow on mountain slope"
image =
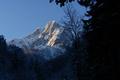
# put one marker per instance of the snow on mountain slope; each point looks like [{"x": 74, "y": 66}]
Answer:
[{"x": 50, "y": 42}]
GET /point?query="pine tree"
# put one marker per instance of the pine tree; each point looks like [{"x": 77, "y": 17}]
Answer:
[{"x": 3, "y": 45}]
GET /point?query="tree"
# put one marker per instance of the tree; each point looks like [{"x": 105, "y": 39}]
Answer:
[
  {"x": 3, "y": 45},
  {"x": 17, "y": 57},
  {"x": 73, "y": 23},
  {"x": 3, "y": 51},
  {"x": 102, "y": 31},
  {"x": 102, "y": 36},
  {"x": 3, "y": 48},
  {"x": 85, "y": 3}
]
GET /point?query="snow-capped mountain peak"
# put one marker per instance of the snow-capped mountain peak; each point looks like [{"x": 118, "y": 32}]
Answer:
[{"x": 51, "y": 39}]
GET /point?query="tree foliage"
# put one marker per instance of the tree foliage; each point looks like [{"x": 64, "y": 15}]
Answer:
[
  {"x": 85, "y": 3},
  {"x": 3, "y": 45}
]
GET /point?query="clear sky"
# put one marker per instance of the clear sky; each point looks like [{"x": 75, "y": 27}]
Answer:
[{"x": 20, "y": 17}]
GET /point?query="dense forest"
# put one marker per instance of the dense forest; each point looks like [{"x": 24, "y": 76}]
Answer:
[{"x": 93, "y": 56}]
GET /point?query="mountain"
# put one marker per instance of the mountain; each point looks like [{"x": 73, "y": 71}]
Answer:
[{"x": 50, "y": 42}]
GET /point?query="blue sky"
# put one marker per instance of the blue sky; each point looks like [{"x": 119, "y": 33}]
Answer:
[{"x": 20, "y": 17}]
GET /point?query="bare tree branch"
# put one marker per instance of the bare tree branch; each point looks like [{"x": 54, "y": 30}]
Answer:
[{"x": 72, "y": 21}]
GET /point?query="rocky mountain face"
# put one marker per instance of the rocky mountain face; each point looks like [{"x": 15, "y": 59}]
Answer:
[{"x": 50, "y": 42}]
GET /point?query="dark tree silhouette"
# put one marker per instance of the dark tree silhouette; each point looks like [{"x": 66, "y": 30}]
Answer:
[
  {"x": 72, "y": 21},
  {"x": 3, "y": 45},
  {"x": 102, "y": 34},
  {"x": 85, "y": 3},
  {"x": 15, "y": 64},
  {"x": 17, "y": 57}
]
